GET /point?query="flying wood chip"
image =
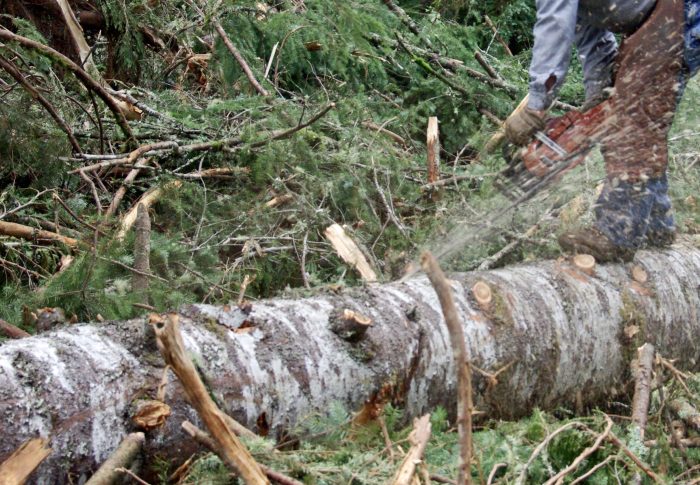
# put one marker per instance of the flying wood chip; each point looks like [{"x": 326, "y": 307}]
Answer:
[{"x": 150, "y": 414}]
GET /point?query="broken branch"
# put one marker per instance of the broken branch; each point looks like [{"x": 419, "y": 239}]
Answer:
[
  {"x": 17, "y": 468},
  {"x": 31, "y": 234},
  {"x": 122, "y": 457},
  {"x": 459, "y": 351},
  {"x": 419, "y": 439},
  {"x": 233, "y": 452},
  {"x": 79, "y": 72}
]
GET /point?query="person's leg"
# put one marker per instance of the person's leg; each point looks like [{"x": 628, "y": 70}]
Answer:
[
  {"x": 662, "y": 228},
  {"x": 636, "y": 147}
]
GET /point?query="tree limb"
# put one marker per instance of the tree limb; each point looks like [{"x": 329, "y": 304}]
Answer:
[{"x": 79, "y": 72}]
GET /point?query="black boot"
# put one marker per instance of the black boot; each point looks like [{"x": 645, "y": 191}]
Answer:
[{"x": 590, "y": 240}]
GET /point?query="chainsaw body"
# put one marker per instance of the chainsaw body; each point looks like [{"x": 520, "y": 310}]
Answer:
[{"x": 562, "y": 145}]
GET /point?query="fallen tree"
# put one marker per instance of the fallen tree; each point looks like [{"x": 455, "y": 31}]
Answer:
[{"x": 566, "y": 336}]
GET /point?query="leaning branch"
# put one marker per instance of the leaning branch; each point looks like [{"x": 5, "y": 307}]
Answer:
[
  {"x": 419, "y": 440},
  {"x": 233, "y": 452},
  {"x": 12, "y": 70},
  {"x": 127, "y": 451},
  {"x": 205, "y": 440},
  {"x": 79, "y": 72},
  {"x": 239, "y": 58},
  {"x": 20, "y": 464},
  {"x": 464, "y": 378}
]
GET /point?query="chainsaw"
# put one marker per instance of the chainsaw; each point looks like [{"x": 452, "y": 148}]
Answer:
[{"x": 562, "y": 145}]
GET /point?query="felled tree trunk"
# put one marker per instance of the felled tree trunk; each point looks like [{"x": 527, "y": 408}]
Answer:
[{"x": 567, "y": 334}]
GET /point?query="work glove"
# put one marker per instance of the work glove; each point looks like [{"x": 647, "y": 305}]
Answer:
[{"x": 522, "y": 124}]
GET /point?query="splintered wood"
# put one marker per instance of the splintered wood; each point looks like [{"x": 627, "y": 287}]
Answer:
[
  {"x": 147, "y": 199},
  {"x": 17, "y": 468},
  {"x": 433, "y": 141},
  {"x": 348, "y": 250},
  {"x": 419, "y": 439}
]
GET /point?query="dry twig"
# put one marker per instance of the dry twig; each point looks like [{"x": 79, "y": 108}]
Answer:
[
  {"x": 138, "y": 479},
  {"x": 522, "y": 478},
  {"x": 559, "y": 477},
  {"x": 635, "y": 459}
]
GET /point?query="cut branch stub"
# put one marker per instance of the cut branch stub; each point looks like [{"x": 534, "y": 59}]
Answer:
[
  {"x": 639, "y": 275},
  {"x": 482, "y": 294},
  {"x": 350, "y": 325},
  {"x": 585, "y": 262}
]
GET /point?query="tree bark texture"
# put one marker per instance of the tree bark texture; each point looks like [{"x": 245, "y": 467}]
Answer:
[{"x": 275, "y": 363}]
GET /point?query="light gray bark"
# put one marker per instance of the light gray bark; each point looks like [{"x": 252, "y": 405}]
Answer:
[{"x": 562, "y": 329}]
